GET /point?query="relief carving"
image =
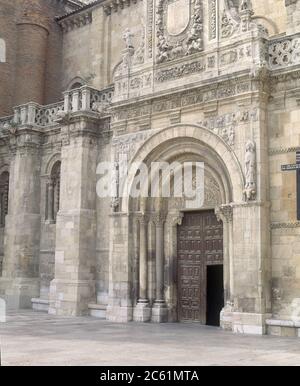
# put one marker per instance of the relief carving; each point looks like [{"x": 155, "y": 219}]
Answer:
[{"x": 179, "y": 27}]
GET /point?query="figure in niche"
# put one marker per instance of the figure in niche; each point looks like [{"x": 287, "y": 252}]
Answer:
[{"x": 250, "y": 171}]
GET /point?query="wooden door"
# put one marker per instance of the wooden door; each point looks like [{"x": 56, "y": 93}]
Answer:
[{"x": 200, "y": 243}]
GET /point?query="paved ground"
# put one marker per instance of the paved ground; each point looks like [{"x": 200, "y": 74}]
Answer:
[{"x": 39, "y": 339}]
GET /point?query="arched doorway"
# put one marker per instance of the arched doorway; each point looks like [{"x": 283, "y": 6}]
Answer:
[{"x": 154, "y": 226}]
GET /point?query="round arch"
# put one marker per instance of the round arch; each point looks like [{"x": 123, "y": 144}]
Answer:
[
  {"x": 53, "y": 159},
  {"x": 181, "y": 139}
]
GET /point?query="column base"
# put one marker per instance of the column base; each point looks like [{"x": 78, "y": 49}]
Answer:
[
  {"x": 248, "y": 323},
  {"x": 159, "y": 312},
  {"x": 226, "y": 317},
  {"x": 119, "y": 314},
  {"x": 18, "y": 292},
  {"x": 71, "y": 297},
  {"x": 142, "y": 312}
]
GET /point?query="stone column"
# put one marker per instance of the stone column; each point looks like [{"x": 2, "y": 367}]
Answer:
[
  {"x": 224, "y": 213},
  {"x": 174, "y": 219},
  {"x": 73, "y": 287},
  {"x": 142, "y": 311},
  {"x": 20, "y": 279},
  {"x": 159, "y": 310}
]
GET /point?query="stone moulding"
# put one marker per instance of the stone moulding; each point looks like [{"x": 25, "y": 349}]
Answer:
[
  {"x": 117, "y": 5},
  {"x": 76, "y": 21},
  {"x": 285, "y": 225},
  {"x": 283, "y": 150}
]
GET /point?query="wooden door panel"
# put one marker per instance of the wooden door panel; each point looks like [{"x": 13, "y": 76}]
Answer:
[{"x": 200, "y": 243}]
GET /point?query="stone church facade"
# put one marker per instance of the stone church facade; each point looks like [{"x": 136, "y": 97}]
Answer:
[{"x": 213, "y": 81}]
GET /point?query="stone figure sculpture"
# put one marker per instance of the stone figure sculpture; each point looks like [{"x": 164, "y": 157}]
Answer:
[
  {"x": 127, "y": 37},
  {"x": 250, "y": 171}
]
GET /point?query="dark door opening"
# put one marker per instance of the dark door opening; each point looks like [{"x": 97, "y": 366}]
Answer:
[{"x": 215, "y": 294}]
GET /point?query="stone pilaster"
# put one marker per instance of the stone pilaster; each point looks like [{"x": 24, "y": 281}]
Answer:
[
  {"x": 73, "y": 287},
  {"x": 120, "y": 269},
  {"x": 20, "y": 279},
  {"x": 224, "y": 213}
]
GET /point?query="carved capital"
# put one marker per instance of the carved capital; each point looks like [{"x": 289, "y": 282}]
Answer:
[
  {"x": 158, "y": 219},
  {"x": 224, "y": 213},
  {"x": 175, "y": 219}
]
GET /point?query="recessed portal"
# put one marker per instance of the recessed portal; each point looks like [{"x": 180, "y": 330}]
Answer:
[{"x": 215, "y": 294}]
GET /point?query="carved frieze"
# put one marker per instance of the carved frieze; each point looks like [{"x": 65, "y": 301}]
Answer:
[
  {"x": 212, "y": 19},
  {"x": 179, "y": 71},
  {"x": 150, "y": 17},
  {"x": 190, "y": 98}
]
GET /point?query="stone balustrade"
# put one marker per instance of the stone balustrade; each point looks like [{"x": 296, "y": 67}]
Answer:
[
  {"x": 87, "y": 98},
  {"x": 284, "y": 52},
  {"x": 82, "y": 99},
  {"x": 4, "y": 121},
  {"x": 35, "y": 115}
]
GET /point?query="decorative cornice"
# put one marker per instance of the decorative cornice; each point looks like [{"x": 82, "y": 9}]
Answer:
[
  {"x": 285, "y": 225},
  {"x": 76, "y": 21},
  {"x": 116, "y": 5}
]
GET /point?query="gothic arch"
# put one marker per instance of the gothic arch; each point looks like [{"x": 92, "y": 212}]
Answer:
[{"x": 208, "y": 146}]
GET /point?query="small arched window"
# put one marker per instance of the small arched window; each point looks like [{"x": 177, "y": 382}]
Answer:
[
  {"x": 4, "y": 189},
  {"x": 54, "y": 192},
  {"x": 2, "y": 51}
]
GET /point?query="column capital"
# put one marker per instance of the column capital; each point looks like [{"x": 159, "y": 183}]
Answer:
[
  {"x": 158, "y": 218},
  {"x": 143, "y": 218},
  {"x": 224, "y": 213},
  {"x": 175, "y": 219}
]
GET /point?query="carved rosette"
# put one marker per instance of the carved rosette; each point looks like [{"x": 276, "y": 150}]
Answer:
[{"x": 172, "y": 41}]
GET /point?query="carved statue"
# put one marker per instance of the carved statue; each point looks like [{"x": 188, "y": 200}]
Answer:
[
  {"x": 233, "y": 9},
  {"x": 250, "y": 171},
  {"x": 246, "y": 5},
  {"x": 127, "y": 37}
]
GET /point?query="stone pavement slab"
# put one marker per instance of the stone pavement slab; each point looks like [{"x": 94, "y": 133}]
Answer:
[{"x": 30, "y": 338}]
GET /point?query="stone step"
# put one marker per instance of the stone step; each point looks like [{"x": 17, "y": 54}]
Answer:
[
  {"x": 40, "y": 305},
  {"x": 97, "y": 310}
]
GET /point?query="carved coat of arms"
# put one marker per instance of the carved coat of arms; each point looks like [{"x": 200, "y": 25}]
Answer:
[
  {"x": 178, "y": 28},
  {"x": 178, "y": 16}
]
